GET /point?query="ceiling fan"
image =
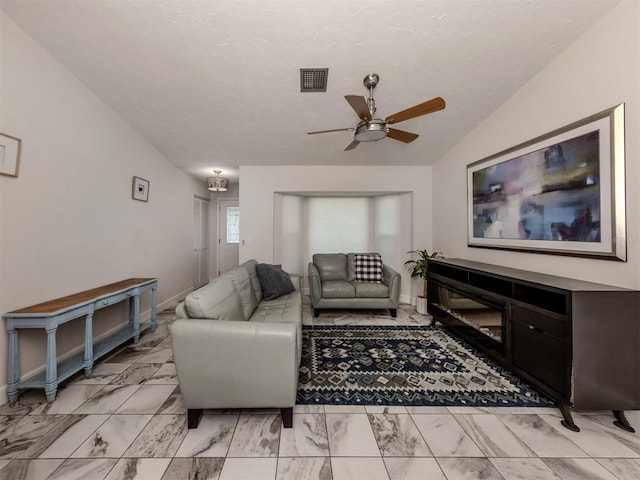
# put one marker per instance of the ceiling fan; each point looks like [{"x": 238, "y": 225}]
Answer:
[{"x": 372, "y": 129}]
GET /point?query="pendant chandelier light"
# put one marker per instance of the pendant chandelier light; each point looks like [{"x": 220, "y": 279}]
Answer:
[{"x": 217, "y": 183}]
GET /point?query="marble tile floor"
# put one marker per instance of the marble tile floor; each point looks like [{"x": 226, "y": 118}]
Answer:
[{"x": 128, "y": 422}]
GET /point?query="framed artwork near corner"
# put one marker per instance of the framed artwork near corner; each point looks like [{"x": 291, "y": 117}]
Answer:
[
  {"x": 562, "y": 193},
  {"x": 140, "y": 189},
  {"x": 9, "y": 155}
]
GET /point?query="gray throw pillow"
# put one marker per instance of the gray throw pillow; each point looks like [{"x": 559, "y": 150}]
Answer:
[{"x": 274, "y": 281}]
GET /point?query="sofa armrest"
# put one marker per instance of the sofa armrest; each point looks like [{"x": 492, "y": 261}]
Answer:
[
  {"x": 235, "y": 363},
  {"x": 391, "y": 279},
  {"x": 295, "y": 279},
  {"x": 181, "y": 310},
  {"x": 315, "y": 284}
]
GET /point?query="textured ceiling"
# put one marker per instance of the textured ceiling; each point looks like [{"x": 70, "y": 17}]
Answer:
[{"x": 215, "y": 84}]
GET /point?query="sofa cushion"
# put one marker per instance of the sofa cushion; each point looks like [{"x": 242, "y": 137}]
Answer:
[
  {"x": 288, "y": 313},
  {"x": 217, "y": 300},
  {"x": 285, "y": 312},
  {"x": 294, "y": 298},
  {"x": 250, "y": 267},
  {"x": 371, "y": 290},
  {"x": 239, "y": 276},
  {"x": 338, "y": 289},
  {"x": 368, "y": 267},
  {"x": 274, "y": 281},
  {"x": 331, "y": 266}
]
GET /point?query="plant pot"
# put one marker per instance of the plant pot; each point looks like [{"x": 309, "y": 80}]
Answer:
[{"x": 421, "y": 305}]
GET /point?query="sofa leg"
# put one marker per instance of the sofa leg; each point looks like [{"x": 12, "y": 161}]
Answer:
[
  {"x": 193, "y": 417},
  {"x": 316, "y": 312},
  {"x": 287, "y": 417},
  {"x": 393, "y": 312}
]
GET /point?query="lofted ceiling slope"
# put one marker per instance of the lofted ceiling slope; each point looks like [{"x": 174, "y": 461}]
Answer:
[{"x": 216, "y": 83}]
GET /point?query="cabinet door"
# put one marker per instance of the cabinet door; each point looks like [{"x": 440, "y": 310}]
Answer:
[{"x": 537, "y": 352}]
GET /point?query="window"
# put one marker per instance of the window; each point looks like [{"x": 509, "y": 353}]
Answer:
[
  {"x": 233, "y": 221},
  {"x": 315, "y": 223},
  {"x": 338, "y": 224}
]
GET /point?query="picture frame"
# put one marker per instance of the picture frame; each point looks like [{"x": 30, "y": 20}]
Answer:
[
  {"x": 561, "y": 193},
  {"x": 140, "y": 189},
  {"x": 9, "y": 155}
]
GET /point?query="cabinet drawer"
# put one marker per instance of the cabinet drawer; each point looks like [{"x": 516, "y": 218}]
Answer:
[
  {"x": 105, "y": 302},
  {"x": 539, "y": 321},
  {"x": 541, "y": 356}
]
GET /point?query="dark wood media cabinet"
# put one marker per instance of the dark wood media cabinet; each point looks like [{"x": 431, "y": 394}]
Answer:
[{"x": 578, "y": 342}]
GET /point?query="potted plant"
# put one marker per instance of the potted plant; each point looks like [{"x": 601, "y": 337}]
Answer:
[{"x": 419, "y": 268}]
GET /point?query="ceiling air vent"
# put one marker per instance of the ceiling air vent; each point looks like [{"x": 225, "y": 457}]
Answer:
[{"x": 313, "y": 79}]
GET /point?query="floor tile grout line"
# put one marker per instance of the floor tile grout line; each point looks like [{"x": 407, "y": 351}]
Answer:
[
  {"x": 532, "y": 449},
  {"x": 421, "y": 435},
  {"x": 608, "y": 470},
  {"x": 90, "y": 434},
  {"x": 506, "y": 426}
]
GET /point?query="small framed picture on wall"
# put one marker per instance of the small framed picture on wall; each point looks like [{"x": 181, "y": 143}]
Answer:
[
  {"x": 9, "y": 155},
  {"x": 140, "y": 189}
]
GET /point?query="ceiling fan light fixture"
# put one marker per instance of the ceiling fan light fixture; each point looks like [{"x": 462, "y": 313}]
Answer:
[
  {"x": 217, "y": 183},
  {"x": 371, "y": 130}
]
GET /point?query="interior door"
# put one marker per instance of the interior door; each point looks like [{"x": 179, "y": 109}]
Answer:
[
  {"x": 200, "y": 242},
  {"x": 229, "y": 234}
]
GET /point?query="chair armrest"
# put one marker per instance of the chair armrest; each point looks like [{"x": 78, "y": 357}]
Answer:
[
  {"x": 391, "y": 279},
  {"x": 238, "y": 363},
  {"x": 315, "y": 284}
]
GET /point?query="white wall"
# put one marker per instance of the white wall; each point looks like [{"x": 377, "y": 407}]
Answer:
[
  {"x": 68, "y": 222},
  {"x": 600, "y": 70},
  {"x": 260, "y": 183}
]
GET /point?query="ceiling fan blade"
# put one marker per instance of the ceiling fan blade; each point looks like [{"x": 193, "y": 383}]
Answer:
[
  {"x": 406, "y": 137},
  {"x": 350, "y": 129},
  {"x": 359, "y": 104},
  {"x": 352, "y": 145},
  {"x": 429, "y": 106}
]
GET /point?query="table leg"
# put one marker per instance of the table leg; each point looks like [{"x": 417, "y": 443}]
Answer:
[
  {"x": 51, "y": 380},
  {"x": 134, "y": 316},
  {"x": 88, "y": 345},
  {"x": 153, "y": 307},
  {"x": 14, "y": 364},
  {"x": 131, "y": 316}
]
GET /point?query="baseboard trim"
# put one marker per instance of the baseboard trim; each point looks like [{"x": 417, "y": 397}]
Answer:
[
  {"x": 172, "y": 301},
  {"x": 408, "y": 299}
]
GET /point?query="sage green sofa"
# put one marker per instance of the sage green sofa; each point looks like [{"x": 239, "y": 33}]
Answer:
[
  {"x": 332, "y": 285},
  {"x": 233, "y": 349}
]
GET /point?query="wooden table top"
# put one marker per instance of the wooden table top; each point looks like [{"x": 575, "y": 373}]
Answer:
[{"x": 62, "y": 303}]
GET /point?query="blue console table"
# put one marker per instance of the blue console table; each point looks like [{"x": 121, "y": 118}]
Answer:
[{"x": 49, "y": 315}]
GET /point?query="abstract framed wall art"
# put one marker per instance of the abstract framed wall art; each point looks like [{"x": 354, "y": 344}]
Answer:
[{"x": 561, "y": 193}]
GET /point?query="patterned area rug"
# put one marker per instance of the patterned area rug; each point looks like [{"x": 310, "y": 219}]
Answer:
[{"x": 369, "y": 365}]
